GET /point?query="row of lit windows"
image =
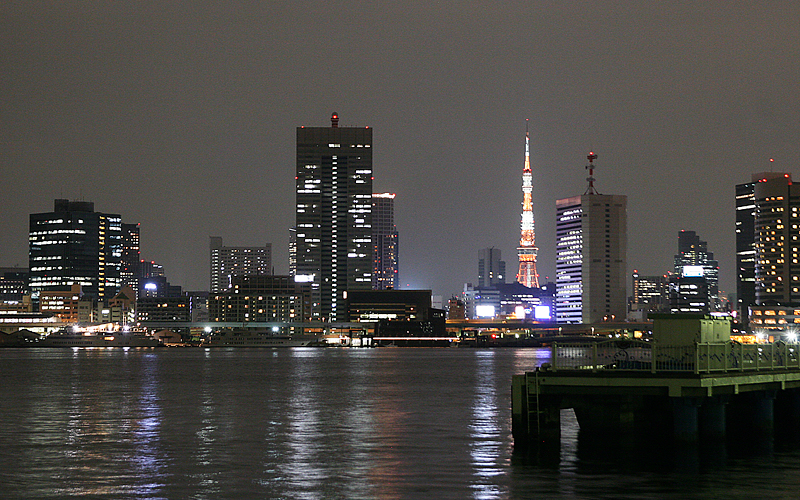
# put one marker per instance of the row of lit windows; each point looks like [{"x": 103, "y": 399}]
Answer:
[{"x": 772, "y": 321}]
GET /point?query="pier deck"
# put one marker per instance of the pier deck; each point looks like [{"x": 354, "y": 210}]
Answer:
[{"x": 688, "y": 392}]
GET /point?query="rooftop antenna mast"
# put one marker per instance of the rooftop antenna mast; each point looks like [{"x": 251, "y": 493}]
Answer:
[{"x": 590, "y": 167}]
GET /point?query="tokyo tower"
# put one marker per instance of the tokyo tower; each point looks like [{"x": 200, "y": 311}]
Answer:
[{"x": 527, "y": 250}]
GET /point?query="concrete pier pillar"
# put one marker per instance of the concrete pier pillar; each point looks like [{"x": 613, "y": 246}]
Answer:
[
  {"x": 763, "y": 414},
  {"x": 519, "y": 411},
  {"x": 787, "y": 415},
  {"x": 712, "y": 419},
  {"x": 546, "y": 422},
  {"x": 535, "y": 419},
  {"x": 685, "y": 421}
]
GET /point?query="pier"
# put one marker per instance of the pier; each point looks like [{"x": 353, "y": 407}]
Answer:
[{"x": 690, "y": 384}]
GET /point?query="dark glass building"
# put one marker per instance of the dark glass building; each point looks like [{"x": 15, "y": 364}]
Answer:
[
  {"x": 385, "y": 245},
  {"x": 745, "y": 248},
  {"x": 129, "y": 270},
  {"x": 73, "y": 244},
  {"x": 13, "y": 284},
  {"x": 333, "y": 215}
]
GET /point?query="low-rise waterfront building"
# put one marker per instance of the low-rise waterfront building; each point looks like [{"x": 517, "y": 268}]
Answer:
[
  {"x": 261, "y": 299},
  {"x": 70, "y": 306},
  {"x": 163, "y": 309}
]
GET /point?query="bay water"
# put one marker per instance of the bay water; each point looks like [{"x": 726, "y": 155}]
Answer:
[{"x": 322, "y": 423}]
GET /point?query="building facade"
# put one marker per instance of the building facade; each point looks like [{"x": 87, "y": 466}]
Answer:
[
  {"x": 591, "y": 256},
  {"x": 73, "y": 244},
  {"x": 70, "y": 306},
  {"x": 777, "y": 220},
  {"x": 385, "y": 243},
  {"x": 333, "y": 214},
  {"x": 227, "y": 262},
  {"x": 745, "y": 246},
  {"x": 167, "y": 309},
  {"x": 261, "y": 299},
  {"x": 650, "y": 293},
  {"x": 131, "y": 255},
  {"x": 13, "y": 284},
  {"x": 775, "y": 227}
]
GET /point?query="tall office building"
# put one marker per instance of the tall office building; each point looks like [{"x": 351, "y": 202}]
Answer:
[
  {"x": 746, "y": 241},
  {"x": 131, "y": 255},
  {"x": 491, "y": 267},
  {"x": 777, "y": 220},
  {"x": 334, "y": 214},
  {"x": 227, "y": 262},
  {"x": 73, "y": 244},
  {"x": 385, "y": 244},
  {"x": 745, "y": 249},
  {"x": 776, "y": 241},
  {"x": 591, "y": 255},
  {"x": 696, "y": 273}
]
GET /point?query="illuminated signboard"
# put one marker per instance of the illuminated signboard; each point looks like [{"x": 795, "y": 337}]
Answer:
[
  {"x": 692, "y": 271},
  {"x": 484, "y": 311},
  {"x": 541, "y": 312}
]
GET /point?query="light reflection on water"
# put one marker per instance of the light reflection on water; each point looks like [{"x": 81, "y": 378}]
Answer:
[
  {"x": 485, "y": 430},
  {"x": 310, "y": 424}
]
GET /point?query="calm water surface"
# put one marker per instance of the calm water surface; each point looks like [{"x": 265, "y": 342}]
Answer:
[{"x": 321, "y": 424}]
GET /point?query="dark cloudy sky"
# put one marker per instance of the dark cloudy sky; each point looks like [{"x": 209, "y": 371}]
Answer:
[{"x": 182, "y": 115}]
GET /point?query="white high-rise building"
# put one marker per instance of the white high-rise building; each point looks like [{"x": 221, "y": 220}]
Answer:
[{"x": 591, "y": 256}]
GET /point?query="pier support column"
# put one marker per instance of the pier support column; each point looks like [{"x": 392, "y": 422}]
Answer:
[
  {"x": 787, "y": 415},
  {"x": 685, "y": 419},
  {"x": 535, "y": 419},
  {"x": 763, "y": 412},
  {"x": 712, "y": 419},
  {"x": 519, "y": 411},
  {"x": 546, "y": 423}
]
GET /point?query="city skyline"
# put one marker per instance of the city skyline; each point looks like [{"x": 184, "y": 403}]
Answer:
[{"x": 183, "y": 120}]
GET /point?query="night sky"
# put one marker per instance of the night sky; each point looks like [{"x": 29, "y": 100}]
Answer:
[{"x": 182, "y": 116}]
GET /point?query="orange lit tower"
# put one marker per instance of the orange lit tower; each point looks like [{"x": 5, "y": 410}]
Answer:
[{"x": 527, "y": 250}]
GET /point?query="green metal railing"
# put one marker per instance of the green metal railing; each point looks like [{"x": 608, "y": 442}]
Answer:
[{"x": 639, "y": 355}]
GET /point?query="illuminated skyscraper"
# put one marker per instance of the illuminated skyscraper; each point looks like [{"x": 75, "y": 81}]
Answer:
[
  {"x": 777, "y": 225},
  {"x": 131, "y": 255},
  {"x": 746, "y": 240},
  {"x": 334, "y": 214},
  {"x": 591, "y": 250},
  {"x": 776, "y": 244},
  {"x": 695, "y": 285},
  {"x": 384, "y": 242},
  {"x": 73, "y": 244},
  {"x": 527, "y": 250}
]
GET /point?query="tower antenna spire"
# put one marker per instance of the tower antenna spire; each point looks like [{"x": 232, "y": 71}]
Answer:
[
  {"x": 590, "y": 167},
  {"x": 527, "y": 250}
]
